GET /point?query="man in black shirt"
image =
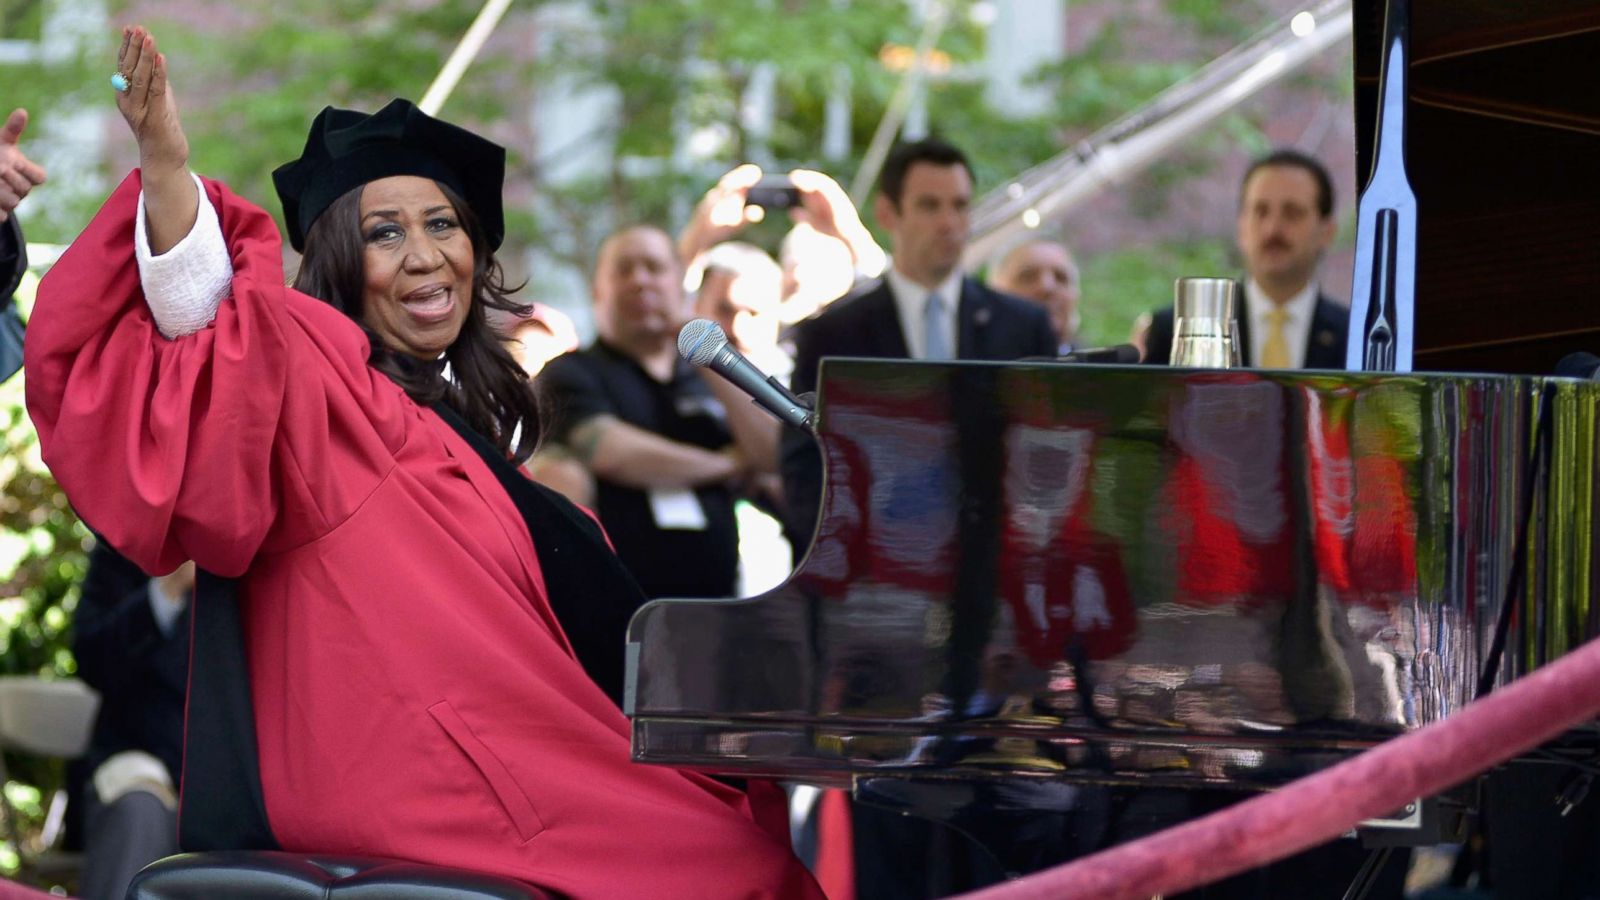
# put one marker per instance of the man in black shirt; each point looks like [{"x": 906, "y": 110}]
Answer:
[{"x": 667, "y": 444}]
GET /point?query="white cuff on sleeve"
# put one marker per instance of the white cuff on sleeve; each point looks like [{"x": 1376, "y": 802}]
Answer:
[{"x": 185, "y": 285}]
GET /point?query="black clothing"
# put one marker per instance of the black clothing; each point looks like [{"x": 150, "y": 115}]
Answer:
[
  {"x": 131, "y": 833},
  {"x": 140, "y": 672},
  {"x": 1325, "y": 342},
  {"x": 667, "y": 562},
  {"x": 13, "y": 262},
  {"x": 220, "y": 802},
  {"x": 991, "y": 326}
]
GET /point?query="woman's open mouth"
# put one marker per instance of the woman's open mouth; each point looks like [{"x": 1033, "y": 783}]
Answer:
[{"x": 430, "y": 304}]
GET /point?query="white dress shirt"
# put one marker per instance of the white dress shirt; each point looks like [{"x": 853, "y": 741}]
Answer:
[
  {"x": 165, "y": 607},
  {"x": 911, "y": 298},
  {"x": 1296, "y": 328}
]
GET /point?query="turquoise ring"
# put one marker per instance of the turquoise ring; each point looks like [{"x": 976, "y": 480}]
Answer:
[{"x": 120, "y": 82}]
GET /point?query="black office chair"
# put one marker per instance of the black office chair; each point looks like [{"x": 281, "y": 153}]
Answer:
[{"x": 274, "y": 875}]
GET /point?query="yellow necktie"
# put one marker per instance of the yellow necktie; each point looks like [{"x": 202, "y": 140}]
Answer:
[{"x": 1275, "y": 352}]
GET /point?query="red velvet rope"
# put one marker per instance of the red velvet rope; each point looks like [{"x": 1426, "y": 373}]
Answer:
[{"x": 1315, "y": 809}]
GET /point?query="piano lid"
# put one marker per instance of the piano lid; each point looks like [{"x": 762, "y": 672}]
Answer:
[{"x": 1503, "y": 130}]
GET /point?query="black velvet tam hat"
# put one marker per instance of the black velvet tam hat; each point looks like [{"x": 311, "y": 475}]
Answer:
[{"x": 347, "y": 149}]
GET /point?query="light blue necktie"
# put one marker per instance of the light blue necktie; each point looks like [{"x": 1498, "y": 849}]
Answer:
[{"x": 936, "y": 329}]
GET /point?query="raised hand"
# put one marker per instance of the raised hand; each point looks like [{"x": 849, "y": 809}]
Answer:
[
  {"x": 18, "y": 174},
  {"x": 170, "y": 199},
  {"x": 720, "y": 214},
  {"x": 827, "y": 208},
  {"x": 824, "y": 205},
  {"x": 148, "y": 105}
]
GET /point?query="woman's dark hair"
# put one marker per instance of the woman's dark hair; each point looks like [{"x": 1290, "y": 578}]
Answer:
[{"x": 489, "y": 389}]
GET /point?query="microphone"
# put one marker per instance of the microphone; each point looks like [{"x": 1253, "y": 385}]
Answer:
[
  {"x": 704, "y": 343},
  {"x": 1579, "y": 365},
  {"x": 1119, "y": 355}
]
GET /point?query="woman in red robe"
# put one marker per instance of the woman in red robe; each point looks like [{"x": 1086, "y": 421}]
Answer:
[{"x": 414, "y": 694}]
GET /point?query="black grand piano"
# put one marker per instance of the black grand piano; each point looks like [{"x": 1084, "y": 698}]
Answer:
[
  {"x": 1031, "y": 577},
  {"x": 1034, "y": 574}
]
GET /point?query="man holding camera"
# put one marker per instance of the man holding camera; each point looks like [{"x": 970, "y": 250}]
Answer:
[{"x": 825, "y": 254}]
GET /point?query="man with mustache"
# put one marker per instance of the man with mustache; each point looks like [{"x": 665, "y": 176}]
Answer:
[{"x": 1285, "y": 225}]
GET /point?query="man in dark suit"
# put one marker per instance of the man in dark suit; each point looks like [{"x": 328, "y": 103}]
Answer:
[
  {"x": 1285, "y": 225},
  {"x": 922, "y": 308},
  {"x": 923, "y": 200},
  {"x": 131, "y": 641}
]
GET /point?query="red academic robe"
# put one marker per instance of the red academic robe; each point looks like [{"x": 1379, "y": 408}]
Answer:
[{"x": 414, "y": 695}]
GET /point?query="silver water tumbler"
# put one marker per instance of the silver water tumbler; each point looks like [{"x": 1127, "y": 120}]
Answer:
[{"x": 1204, "y": 334}]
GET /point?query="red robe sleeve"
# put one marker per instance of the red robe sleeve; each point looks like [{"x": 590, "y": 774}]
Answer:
[{"x": 219, "y": 445}]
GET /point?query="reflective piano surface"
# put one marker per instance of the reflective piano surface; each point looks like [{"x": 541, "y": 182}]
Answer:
[{"x": 1133, "y": 574}]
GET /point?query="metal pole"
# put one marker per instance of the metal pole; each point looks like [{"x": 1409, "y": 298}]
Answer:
[
  {"x": 463, "y": 55},
  {"x": 1126, "y": 147},
  {"x": 899, "y": 104}
]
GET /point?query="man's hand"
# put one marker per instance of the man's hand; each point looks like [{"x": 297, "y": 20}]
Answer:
[
  {"x": 178, "y": 583},
  {"x": 720, "y": 214},
  {"x": 18, "y": 174},
  {"x": 827, "y": 208}
]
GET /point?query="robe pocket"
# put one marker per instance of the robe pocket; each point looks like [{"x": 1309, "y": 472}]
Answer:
[{"x": 505, "y": 787}]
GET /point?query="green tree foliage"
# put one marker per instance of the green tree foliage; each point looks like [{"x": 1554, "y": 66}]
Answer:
[
  {"x": 678, "y": 68},
  {"x": 248, "y": 94},
  {"x": 42, "y": 557},
  {"x": 57, "y": 79},
  {"x": 1125, "y": 64}
]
